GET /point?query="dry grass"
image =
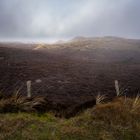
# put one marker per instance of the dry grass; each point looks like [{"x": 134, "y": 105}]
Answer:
[
  {"x": 109, "y": 121},
  {"x": 136, "y": 103},
  {"x": 17, "y": 103},
  {"x": 100, "y": 99}
]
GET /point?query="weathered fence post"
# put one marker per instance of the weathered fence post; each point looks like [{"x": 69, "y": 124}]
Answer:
[
  {"x": 29, "y": 89},
  {"x": 117, "y": 87}
]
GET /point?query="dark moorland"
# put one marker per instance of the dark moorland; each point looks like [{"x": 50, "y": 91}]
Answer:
[{"x": 71, "y": 72}]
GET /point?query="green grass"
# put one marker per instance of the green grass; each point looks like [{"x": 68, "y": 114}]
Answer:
[{"x": 116, "y": 120}]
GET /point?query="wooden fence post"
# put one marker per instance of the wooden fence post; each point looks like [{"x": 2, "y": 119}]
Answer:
[
  {"x": 29, "y": 89},
  {"x": 117, "y": 87}
]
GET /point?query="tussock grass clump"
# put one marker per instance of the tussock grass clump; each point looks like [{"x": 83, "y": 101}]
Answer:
[
  {"x": 136, "y": 103},
  {"x": 16, "y": 103},
  {"x": 100, "y": 99}
]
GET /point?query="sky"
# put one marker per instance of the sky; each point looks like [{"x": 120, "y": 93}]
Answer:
[{"x": 63, "y": 19}]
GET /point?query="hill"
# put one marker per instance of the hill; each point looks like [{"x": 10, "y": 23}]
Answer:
[{"x": 74, "y": 71}]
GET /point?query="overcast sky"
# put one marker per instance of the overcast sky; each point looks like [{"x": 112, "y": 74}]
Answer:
[{"x": 58, "y": 19}]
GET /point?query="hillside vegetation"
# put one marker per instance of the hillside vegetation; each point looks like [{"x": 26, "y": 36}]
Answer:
[
  {"x": 115, "y": 120},
  {"x": 74, "y": 71}
]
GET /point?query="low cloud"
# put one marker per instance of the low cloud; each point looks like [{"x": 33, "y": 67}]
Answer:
[{"x": 34, "y": 19}]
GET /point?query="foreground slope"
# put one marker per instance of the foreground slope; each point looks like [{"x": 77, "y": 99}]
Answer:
[{"x": 116, "y": 120}]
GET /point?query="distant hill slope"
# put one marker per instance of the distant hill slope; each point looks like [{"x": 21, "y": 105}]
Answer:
[
  {"x": 73, "y": 71},
  {"x": 104, "y": 49}
]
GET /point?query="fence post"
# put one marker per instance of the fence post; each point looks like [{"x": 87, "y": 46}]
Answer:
[
  {"x": 117, "y": 87},
  {"x": 29, "y": 89}
]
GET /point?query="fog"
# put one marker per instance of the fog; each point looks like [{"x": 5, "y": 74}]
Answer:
[{"x": 55, "y": 19}]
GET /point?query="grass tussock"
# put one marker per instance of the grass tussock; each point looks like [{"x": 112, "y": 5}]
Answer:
[
  {"x": 115, "y": 120},
  {"x": 18, "y": 103}
]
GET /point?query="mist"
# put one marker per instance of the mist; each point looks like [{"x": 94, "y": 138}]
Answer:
[{"x": 54, "y": 20}]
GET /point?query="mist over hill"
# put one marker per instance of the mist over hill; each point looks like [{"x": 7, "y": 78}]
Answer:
[{"x": 99, "y": 49}]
